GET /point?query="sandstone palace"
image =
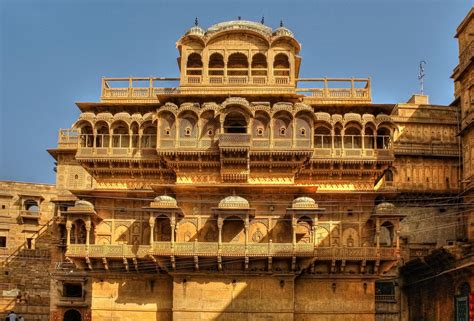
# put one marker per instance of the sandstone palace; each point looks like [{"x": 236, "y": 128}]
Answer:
[{"x": 241, "y": 191}]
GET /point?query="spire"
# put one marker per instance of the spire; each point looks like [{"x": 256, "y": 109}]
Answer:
[
  {"x": 196, "y": 22},
  {"x": 281, "y": 23},
  {"x": 239, "y": 18},
  {"x": 263, "y": 20}
]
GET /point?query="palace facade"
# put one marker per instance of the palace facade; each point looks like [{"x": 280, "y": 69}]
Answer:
[{"x": 241, "y": 191}]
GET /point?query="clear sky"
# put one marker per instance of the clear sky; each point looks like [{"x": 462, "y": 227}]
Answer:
[{"x": 54, "y": 53}]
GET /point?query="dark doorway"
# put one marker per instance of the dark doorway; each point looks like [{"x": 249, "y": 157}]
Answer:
[
  {"x": 72, "y": 315},
  {"x": 235, "y": 123}
]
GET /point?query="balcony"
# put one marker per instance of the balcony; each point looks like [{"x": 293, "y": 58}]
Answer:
[
  {"x": 143, "y": 89},
  {"x": 334, "y": 90},
  {"x": 212, "y": 249},
  {"x": 235, "y": 141}
]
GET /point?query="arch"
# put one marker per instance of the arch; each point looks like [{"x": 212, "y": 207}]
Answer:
[
  {"x": 187, "y": 125},
  {"x": 237, "y": 64},
  {"x": 322, "y": 137},
  {"x": 383, "y": 138},
  {"x": 194, "y": 61},
  {"x": 167, "y": 126},
  {"x": 72, "y": 315},
  {"x": 388, "y": 175},
  {"x": 350, "y": 237},
  {"x": 162, "y": 230},
  {"x": 303, "y": 229},
  {"x": 260, "y": 126},
  {"x": 233, "y": 229},
  {"x": 386, "y": 234},
  {"x": 102, "y": 134},
  {"x": 304, "y": 126},
  {"x": 352, "y": 137},
  {"x": 120, "y": 134},
  {"x": 31, "y": 206},
  {"x": 216, "y": 64},
  {"x": 369, "y": 137},
  {"x": 78, "y": 232},
  {"x": 187, "y": 232},
  {"x": 259, "y": 65},
  {"x": 148, "y": 136},
  {"x": 235, "y": 123},
  {"x": 281, "y": 65}
]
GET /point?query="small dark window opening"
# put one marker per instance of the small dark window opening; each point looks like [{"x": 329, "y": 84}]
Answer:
[
  {"x": 29, "y": 243},
  {"x": 3, "y": 241},
  {"x": 3, "y": 207},
  {"x": 384, "y": 288},
  {"x": 350, "y": 213},
  {"x": 72, "y": 290}
]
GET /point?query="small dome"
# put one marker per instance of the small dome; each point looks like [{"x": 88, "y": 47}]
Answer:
[
  {"x": 304, "y": 203},
  {"x": 385, "y": 208},
  {"x": 234, "y": 202},
  {"x": 164, "y": 201},
  {"x": 195, "y": 31},
  {"x": 283, "y": 32},
  {"x": 83, "y": 204}
]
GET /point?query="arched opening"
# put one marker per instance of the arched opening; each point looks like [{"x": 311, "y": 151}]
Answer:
[
  {"x": 338, "y": 136},
  {"x": 72, "y": 315},
  {"x": 322, "y": 137},
  {"x": 303, "y": 230},
  {"x": 369, "y": 138},
  {"x": 78, "y": 232},
  {"x": 233, "y": 229},
  {"x": 383, "y": 138},
  {"x": 282, "y": 232},
  {"x": 235, "y": 123},
  {"x": 237, "y": 65},
  {"x": 216, "y": 65},
  {"x": 281, "y": 65},
  {"x": 194, "y": 65},
  {"x": 31, "y": 206},
  {"x": 388, "y": 176},
  {"x": 149, "y": 137},
  {"x": 102, "y": 135},
  {"x": 386, "y": 234},
  {"x": 87, "y": 135},
  {"x": 352, "y": 138},
  {"x": 259, "y": 65},
  {"x": 120, "y": 135},
  {"x": 162, "y": 229}
]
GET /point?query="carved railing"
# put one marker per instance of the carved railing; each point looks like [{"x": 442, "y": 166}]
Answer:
[
  {"x": 68, "y": 138},
  {"x": 117, "y": 145},
  {"x": 430, "y": 148},
  {"x": 357, "y": 89},
  {"x": 137, "y": 88},
  {"x": 385, "y": 298},
  {"x": 234, "y": 140},
  {"x": 231, "y": 249},
  {"x": 353, "y": 146}
]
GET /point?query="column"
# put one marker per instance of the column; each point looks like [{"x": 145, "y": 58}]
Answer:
[
  {"x": 293, "y": 143},
  {"x": 377, "y": 232},
  {"x": 177, "y": 132},
  {"x": 246, "y": 231},
  {"x": 220, "y": 224},
  {"x": 270, "y": 132},
  {"x": 88, "y": 231},
  {"x": 140, "y": 135},
  {"x": 173, "y": 227},
  {"x": 151, "y": 221},
  {"x": 293, "y": 224},
  {"x": 68, "y": 230}
]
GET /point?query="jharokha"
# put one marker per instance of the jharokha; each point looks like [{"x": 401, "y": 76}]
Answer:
[{"x": 241, "y": 191}]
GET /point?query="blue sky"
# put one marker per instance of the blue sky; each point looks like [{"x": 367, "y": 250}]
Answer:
[{"x": 54, "y": 53}]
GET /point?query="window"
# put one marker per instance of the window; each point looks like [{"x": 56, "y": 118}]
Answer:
[
  {"x": 167, "y": 132},
  {"x": 282, "y": 131},
  {"x": 384, "y": 291},
  {"x": 303, "y": 132},
  {"x": 31, "y": 206},
  {"x": 259, "y": 131},
  {"x": 3, "y": 241},
  {"x": 210, "y": 132},
  {"x": 72, "y": 290},
  {"x": 187, "y": 131},
  {"x": 3, "y": 207},
  {"x": 29, "y": 243}
]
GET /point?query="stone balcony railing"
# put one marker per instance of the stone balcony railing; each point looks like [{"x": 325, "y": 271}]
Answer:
[
  {"x": 313, "y": 90},
  {"x": 231, "y": 249}
]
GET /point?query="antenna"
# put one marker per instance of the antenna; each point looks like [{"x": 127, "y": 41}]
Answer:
[
  {"x": 263, "y": 20},
  {"x": 196, "y": 22},
  {"x": 421, "y": 76}
]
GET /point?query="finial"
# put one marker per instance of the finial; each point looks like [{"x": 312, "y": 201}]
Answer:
[
  {"x": 281, "y": 23},
  {"x": 196, "y": 22},
  {"x": 239, "y": 18},
  {"x": 421, "y": 76},
  {"x": 263, "y": 20}
]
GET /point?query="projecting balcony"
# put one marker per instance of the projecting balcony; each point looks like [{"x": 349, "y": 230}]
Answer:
[
  {"x": 235, "y": 141},
  {"x": 213, "y": 249},
  {"x": 353, "y": 147}
]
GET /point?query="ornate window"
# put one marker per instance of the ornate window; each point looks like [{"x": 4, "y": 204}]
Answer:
[
  {"x": 282, "y": 131},
  {"x": 210, "y": 132},
  {"x": 303, "y": 131},
  {"x": 259, "y": 131},
  {"x": 168, "y": 131},
  {"x": 187, "y": 131}
]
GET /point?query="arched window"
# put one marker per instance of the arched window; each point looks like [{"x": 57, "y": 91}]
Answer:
[
  {"x": 383, "y": 138},
  {"x": 281, "y": 65},
  {"x": 322, "y": 137},
  {"x": 259, "y": 65},
  {"x": 237, "y": 65},
  {"x": 149, "y": 137},
  {"x": 388, "y": 175},
  {"x": 120, "y": 136},
  {"x": 386, "y": 234},
  {"x": 235, "y": 123},
  {"x": 369, "y": 138},
  {"x": 72, "y": 315},
  {"x": 102, "y": 135},
  {"x": 31, "y": 206},
  {"x": 87, "y": 137},
  {"x": 216, "y": 64},
  {"x": 194, "y": 64},
  {"x": 352, "y": 138}
]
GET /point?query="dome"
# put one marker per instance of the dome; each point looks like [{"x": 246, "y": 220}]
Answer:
[
  {"x": 304, "y": 203},
  {"x": 240, "y": 24},
  {"x": 283, "y": 32},
  {"x": 385, "y": 208},
  {"x": 195, "y": 31},
  {"x": 83, "y": 204},
  {"x": 164, "y": 201},
  {"x": 234, "y": 202}
]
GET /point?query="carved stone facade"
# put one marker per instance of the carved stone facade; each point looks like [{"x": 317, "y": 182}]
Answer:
[{"x": 246, "y": 193}]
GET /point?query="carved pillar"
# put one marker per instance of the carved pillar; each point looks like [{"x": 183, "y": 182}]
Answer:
[
  {"x": 88, "y": 231},
  {"x": 270, "y": 132},
  {"x": 140, "y": 135},
  {"x": 177, "y": 132},
  {"x": 158, "y": 134},
  {"x": 220, "y": 224},
  {"x": 293, "y": 225},
  {"x": 293, "y": 138},
  {"x": 130, "y": 139},
  {"x": 377, "y": 232},
  {"x": 246, "y": 231},
  {"x": 68, "y": 230},
  {"x": 151, "y": 221},
  {"x": 173, "y": 227}
]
